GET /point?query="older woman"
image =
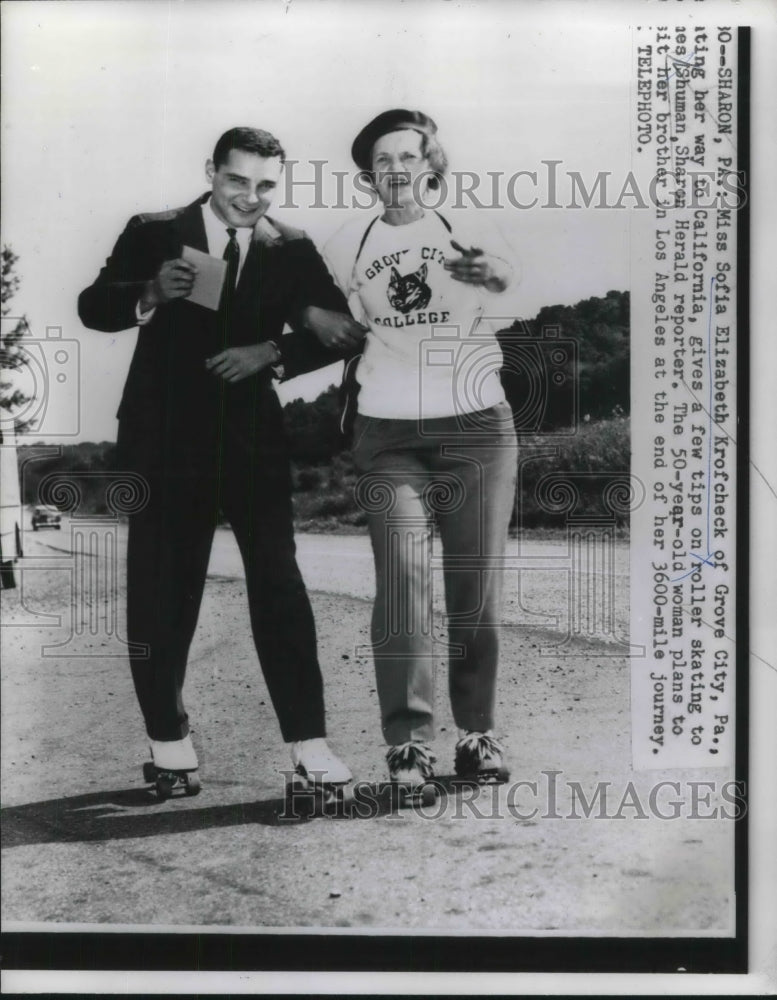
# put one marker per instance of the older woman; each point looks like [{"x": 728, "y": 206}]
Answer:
[{"x": 433, "y": 441}]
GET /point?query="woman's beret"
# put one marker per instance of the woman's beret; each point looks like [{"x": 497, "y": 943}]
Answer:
[{"x": 388, "y": 121}]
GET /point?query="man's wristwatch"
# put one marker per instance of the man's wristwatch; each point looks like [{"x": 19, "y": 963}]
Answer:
[{"x": 277, "y": 366}]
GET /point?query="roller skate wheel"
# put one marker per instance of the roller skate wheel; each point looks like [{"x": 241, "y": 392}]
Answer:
[
  {"x": 337, "y": 797},
  {"x": 297, "y": 788},
  {"x": 338, "y": 793},
  {"x": 300, "y": 800},
  {"x": 310, "y": 800},
  {"x": 192, "y": 783},
  {"x": 496, "y": 777},
  {"x": 324, "y": 799},
  {"x": 428, "y": 795},
  {"x": 165, "y": 783},
  {"x": 417, "y": 795}
]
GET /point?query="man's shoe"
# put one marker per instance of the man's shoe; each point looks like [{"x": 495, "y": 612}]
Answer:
[
  {"x": 320, "y": 777},
  {"x": 314, "y": 761},
  {"x": 173, "y": 766},
  {"x": 174, "y": 755}
]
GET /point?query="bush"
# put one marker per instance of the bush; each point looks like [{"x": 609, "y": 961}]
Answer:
[
  {"x": 329, "y": 504},
  {"x": 582, "y": 467},
  {"x": 308, "y": 479},
  {"x": 578, "y": 478},
  {"x": 46, "y": 470}
]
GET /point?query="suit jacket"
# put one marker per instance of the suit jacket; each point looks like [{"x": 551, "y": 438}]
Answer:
[{"x": 173, "y": 411}]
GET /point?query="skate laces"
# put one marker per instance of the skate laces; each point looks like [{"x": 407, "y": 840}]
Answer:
[
  {"x": 411, "y": 756},
  {"x": 479, "y": 747}
]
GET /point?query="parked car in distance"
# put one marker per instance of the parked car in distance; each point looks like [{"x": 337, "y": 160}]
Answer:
[{"x": 46, "y": 517}]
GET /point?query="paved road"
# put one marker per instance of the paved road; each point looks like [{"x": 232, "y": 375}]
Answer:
[{"x": 551, "y": 584}]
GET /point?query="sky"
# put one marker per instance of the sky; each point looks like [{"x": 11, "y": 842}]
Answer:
[{"x": 112, "y": 108}]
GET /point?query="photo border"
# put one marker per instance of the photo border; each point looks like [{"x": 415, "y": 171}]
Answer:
[{"x": 348, "y": 952}]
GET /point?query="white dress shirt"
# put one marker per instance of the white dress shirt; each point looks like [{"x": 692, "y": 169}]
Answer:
[{"x": 218, "y": 237}]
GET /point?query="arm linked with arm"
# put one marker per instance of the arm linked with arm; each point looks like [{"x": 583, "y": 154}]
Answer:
[{"x": 314, "y": 288}]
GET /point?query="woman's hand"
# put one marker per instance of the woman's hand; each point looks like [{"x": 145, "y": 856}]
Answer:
[
  {"x": 475, "y": 267},
  {"x": 337, "y": 331}
]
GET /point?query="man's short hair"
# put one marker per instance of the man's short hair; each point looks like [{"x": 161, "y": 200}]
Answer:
[{"x": 248, "y": 140}]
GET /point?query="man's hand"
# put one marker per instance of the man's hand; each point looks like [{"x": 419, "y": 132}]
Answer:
[
  {"x": 236, "y": 363},
  {"x": 475, "y": 267},
  {"x": 175, "y": 280},
  {"x": 335, "y": 330}
]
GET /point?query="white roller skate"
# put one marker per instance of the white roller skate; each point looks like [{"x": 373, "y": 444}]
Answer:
[
  {"x": 318, "y": 774},
  {"x": 411, "y": 772},
  {"x": 479, "y": 757},
  {"x": 173, "y": 767}
]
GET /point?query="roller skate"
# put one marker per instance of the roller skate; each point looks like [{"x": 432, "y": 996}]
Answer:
[
  {"x": 411, "y": 773},
  {"x": 478, "y": 758},
  {"x": 321, "y": 780},
  {"x": 173, "y": 767}
]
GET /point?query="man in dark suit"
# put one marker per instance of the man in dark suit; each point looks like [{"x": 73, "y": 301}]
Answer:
[{"x": 200, "y": 422}]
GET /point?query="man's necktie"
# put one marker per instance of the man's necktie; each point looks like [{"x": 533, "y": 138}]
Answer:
[{"x": 232, "y": 257}]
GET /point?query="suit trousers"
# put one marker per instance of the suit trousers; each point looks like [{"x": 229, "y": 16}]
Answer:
[
  {"x": 167, "y": 559},
  {"x": 460, "y": 473}
]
